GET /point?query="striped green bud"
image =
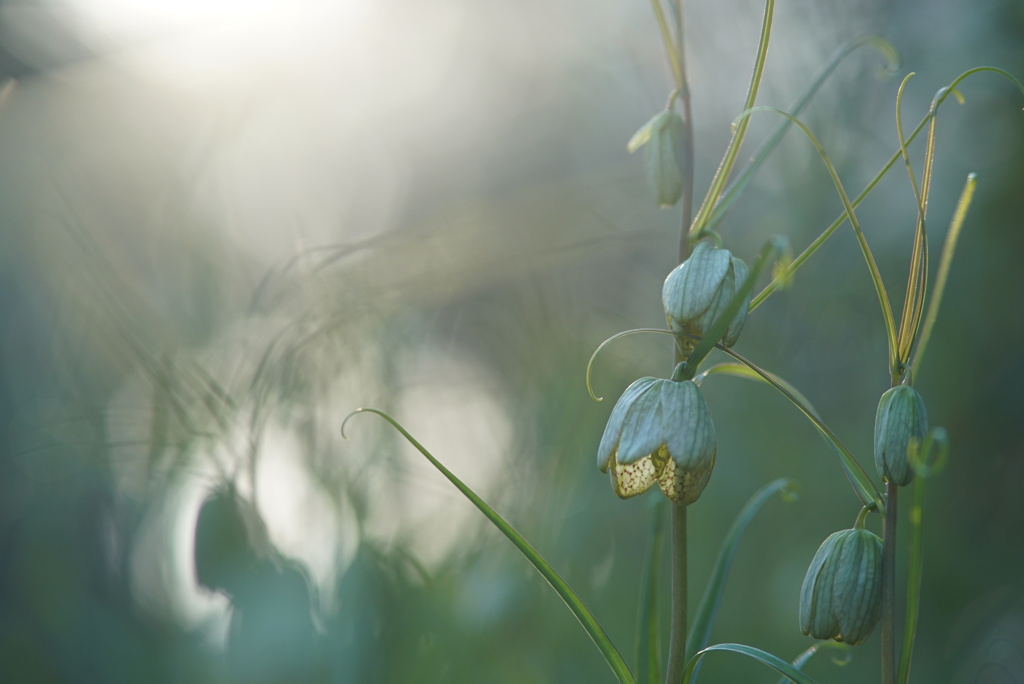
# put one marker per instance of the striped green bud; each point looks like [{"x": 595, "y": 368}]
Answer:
[
  {"x": 901, "y": 417},
  {"x": 662, "y": 140},
  {"x": 841, "y": 596},
  {"x": 659, "y": 431},
  {"x": 699, "y": 290}
]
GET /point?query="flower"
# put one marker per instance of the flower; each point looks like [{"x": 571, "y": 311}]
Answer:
[
  {"x": 659, "y": 431},
  {"x": 699, "y": 290},
  {"x": 841, "y": 596},
  {"x": 901, "y": 417}
]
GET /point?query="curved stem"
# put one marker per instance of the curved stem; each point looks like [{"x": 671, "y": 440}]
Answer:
[
  {"x": 725, "y": 168},
  {"x": 677, "y": 639},
  {"x": 820, "y": 240},
  {"x": 869, "y": 258},
  {"x": 732, "y": 192},
  {"x": 855, "y": 473}
]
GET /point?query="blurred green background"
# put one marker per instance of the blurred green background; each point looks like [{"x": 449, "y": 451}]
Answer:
[{"x": 223, "y": 226}]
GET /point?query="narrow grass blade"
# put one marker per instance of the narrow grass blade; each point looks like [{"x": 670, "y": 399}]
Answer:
[
  {"x": 940, "y": 98},
  {"x": 926, "y": 464},
  {"x": 869, "y": 258},
  {"x": 700, "y": 222},
  {"x": 774, "y": 662},
  {"x": 741, "y": 371},
  {"x": 733, "y": 191},
  {"x": 861, "y": 482},
  {"x": 817, "y": 647},
  {"x": 564, "y": 591},
  {"x": 700, "y": 632},
  {"x": 945, "y": 261}
]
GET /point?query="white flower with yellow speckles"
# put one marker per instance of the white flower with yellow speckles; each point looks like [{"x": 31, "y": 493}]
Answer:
[{"x": 659, "y": 431}]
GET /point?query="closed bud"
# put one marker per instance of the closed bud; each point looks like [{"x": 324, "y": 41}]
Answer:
[
  {"x": 659, "y": 431},
  {"x": 699, "y": 290},
  {"x": 901, "y": 417},
  {"x": 663, "y": 138},
  {"x": 841, "y": 596}
]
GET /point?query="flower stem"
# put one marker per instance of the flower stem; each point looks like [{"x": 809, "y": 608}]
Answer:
[
  {"x": 677, "y": 637},
  {"x": 889, "y": 587}
]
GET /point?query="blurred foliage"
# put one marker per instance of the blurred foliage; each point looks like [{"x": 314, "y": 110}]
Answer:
[{"x": 208, "y": 258}]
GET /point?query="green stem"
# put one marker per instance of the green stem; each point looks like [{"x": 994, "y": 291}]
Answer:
[
  {"x": 820, "y": 240},
  {"x": 688, "y": 151},
  {"x": 677, "y": 638},
  {"x": 869, "y": 258},
  {"x": 561, "y": 587},
  {"x": 670, "y": 46},
  {"x": 740, "y": 130},
  {"x": 889, "y": 587},
  {"x": 913, "y": 581},
  {"x": 945, "y": 261}
]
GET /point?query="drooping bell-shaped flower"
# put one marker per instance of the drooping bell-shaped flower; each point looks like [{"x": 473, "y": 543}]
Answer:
[
  {"x": 841, "y": 596},
  {"x": 699, "y": 290},
  {"x": 901, "y": 417},
  {"x": 659, "y": 431}
]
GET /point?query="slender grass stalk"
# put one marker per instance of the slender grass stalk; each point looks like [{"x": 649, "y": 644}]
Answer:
[
  {"x": 787, "y": 670},
  {"x": 917, "y": 275},
  {"x": 914, "y": 569},
  {"x": 889, "y": 586},
  {"x": 561, "y": 587},
  {"x": 945, "y": 261},
  {"x": 670, "y": 45},
  {"x": 739, "y": 130},
  {"x": 925, "y": 466},
  {"x": 707, "y": 611},
  {"x": 869, "y": 258},
  {"x": 939, "y": 99},
  {"x": 764, "y": 151}
]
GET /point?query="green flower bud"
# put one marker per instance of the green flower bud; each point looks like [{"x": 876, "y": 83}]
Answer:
[
  {"x": 901, "y": 417},
  {"x": 698, "y": 290},
  {"x": 659, "y": 431},
  {"x": 662, "y": 138},
  {"x": 841, "y": 597}
]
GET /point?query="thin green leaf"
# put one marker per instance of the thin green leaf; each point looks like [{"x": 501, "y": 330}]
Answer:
[
  {"x": 925, "y": 466},
  {"x": 741, "y": 371},
  {"x": 876, "y": 277},
  {"x": 648, "y": 649},
  {"x": 945, "y": 262},
  {"x": 817, "y": 647},
  {"x": 700, "y": 632},
  {"x": 914, "y": 571},
  {"x": 671, "y": 50},
  {"x": 940, "y": 98},
  {"x": 778, "y": 664},
  {"x": 858, "y": 477},
  {"x": 733, "y": 191},
  {"x": 917, "y": 276},
  {"x": 564, "y": 591},
  {"x": 700, "y": 227}
]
